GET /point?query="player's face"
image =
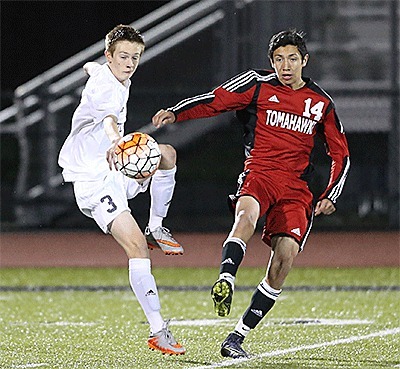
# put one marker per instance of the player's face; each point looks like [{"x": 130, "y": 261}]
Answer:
[
  {"x": 125, "y": 59},
  {"x": 288, "y": 65}
]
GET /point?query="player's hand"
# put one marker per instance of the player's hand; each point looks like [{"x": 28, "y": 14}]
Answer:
[
  {"x": 110, "y": 154},
  {"x": 325, "y": 206},
  {"x": 163, "y": 117}
]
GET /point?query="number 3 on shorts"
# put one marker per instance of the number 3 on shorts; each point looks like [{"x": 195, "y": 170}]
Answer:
[{"x": 110, "y": 202}]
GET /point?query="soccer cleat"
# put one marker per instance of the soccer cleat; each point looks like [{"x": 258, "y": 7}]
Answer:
[
  {"x": 165, "y": 342},
  {"x": 221, "y": 294},
  {"x": 232, "y": 346},
  {"x": 161, "y": 238}
]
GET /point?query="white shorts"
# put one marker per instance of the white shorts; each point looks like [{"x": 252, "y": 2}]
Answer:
[{"x": 105, "y": 200}]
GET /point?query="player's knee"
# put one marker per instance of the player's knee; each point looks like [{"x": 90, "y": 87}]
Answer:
[
  {"x": 168, "y": 156},
  {"x": 135, "y": 250},
  {"x": 285, "y": 248}
]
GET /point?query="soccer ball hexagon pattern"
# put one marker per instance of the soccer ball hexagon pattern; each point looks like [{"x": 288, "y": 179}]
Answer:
[{"x": 137, "y": 155}]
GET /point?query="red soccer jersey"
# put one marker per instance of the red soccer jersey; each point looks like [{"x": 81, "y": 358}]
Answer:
[{"x": 280, "y": 123}]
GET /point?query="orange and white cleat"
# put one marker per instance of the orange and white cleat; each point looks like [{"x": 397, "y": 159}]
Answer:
[
  {"x": 161, "y": 238},
  {"x": 165, "y": 342}
]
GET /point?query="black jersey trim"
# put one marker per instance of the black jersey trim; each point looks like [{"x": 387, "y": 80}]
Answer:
[
  {"x": 248, "y": 118},
  {"x": 337, "y": 188}
]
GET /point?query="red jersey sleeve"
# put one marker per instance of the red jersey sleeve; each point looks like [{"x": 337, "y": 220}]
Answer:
[
  {"x": 337, "y": 149},
  {"x": 235, "y": 94}
]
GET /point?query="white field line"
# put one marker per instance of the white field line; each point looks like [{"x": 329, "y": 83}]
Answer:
[
  {"x": 221, "y": 322},
  {"x": 342, "y": 341},
  {"x": 272, "y": 322}
]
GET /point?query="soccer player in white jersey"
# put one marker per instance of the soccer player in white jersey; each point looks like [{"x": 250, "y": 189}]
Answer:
[{"x": 102, "y": 192}]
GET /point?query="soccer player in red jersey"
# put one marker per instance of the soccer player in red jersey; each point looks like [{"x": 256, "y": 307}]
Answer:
[{"x": 281, "y": 112}]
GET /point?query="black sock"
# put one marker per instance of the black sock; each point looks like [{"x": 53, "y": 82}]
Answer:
[
  {"x": 232, "y": 255},
  {"x": 262, "y": 301}
]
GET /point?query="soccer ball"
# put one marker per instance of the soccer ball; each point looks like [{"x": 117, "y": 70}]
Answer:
[{"x": 137, "y": 155}]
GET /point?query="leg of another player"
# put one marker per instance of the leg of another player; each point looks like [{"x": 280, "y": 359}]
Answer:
[
  {"x": 246, "y": 215},
  {"x": 284, "y": 250},
  {"x": 233, "y": 250},
  {"x": 168, "y": 157},
  {"x": 267, "y": 292},
  {"x": 127, "y": 233},
  {"x": 162, "y": 188}
]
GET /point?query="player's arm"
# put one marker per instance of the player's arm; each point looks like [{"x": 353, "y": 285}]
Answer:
[
  {"x": 111, "y": 129},
  {"x": 234, "y": 94},
  {"x": 337, "y": 149}
]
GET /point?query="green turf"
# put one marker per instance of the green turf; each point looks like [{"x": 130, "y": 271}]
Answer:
[{"x": 107, "y": 329}]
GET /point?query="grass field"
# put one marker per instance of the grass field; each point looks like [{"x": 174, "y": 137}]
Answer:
[{"x": 88, "y": 318}]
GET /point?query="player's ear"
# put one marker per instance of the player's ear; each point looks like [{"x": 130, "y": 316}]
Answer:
[
  {"x": 108, "y": 55},
  {"x": 305, "y": 60}
]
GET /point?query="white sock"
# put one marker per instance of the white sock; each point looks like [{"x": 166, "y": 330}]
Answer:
[
  {"x": 144, "y": 286},
  {"x": 268, "y": 291},
  {"x": 242, "y": 328},
  {"x": 161, "y": 191},
  {"x": 229, "y": 277},
  {"x": 155, "y": 222}
]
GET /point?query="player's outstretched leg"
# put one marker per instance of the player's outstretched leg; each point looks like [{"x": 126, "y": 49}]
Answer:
[
  {"x": 165, "y": 342},
  {"x": 221, "y": 294},
  {"x": 232, "y": 346},
  {"x": 161, "y": 238}
]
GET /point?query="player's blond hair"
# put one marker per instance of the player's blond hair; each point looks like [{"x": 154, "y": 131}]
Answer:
[{"x": 121, "y": 33}]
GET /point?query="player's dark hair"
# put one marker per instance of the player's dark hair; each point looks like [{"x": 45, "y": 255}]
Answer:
[
  {"x": 288, "y": 37},
  {"x": 122, "y": 33}
]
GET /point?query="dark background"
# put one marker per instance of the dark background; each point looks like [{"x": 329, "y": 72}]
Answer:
[{"x": 36, "y": 35}]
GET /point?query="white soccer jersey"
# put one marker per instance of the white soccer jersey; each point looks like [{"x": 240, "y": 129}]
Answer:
[{"x": 83, "y": 155}]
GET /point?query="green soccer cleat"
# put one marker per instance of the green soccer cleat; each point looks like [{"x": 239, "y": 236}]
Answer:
[{"x": 221, "y": 294}]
